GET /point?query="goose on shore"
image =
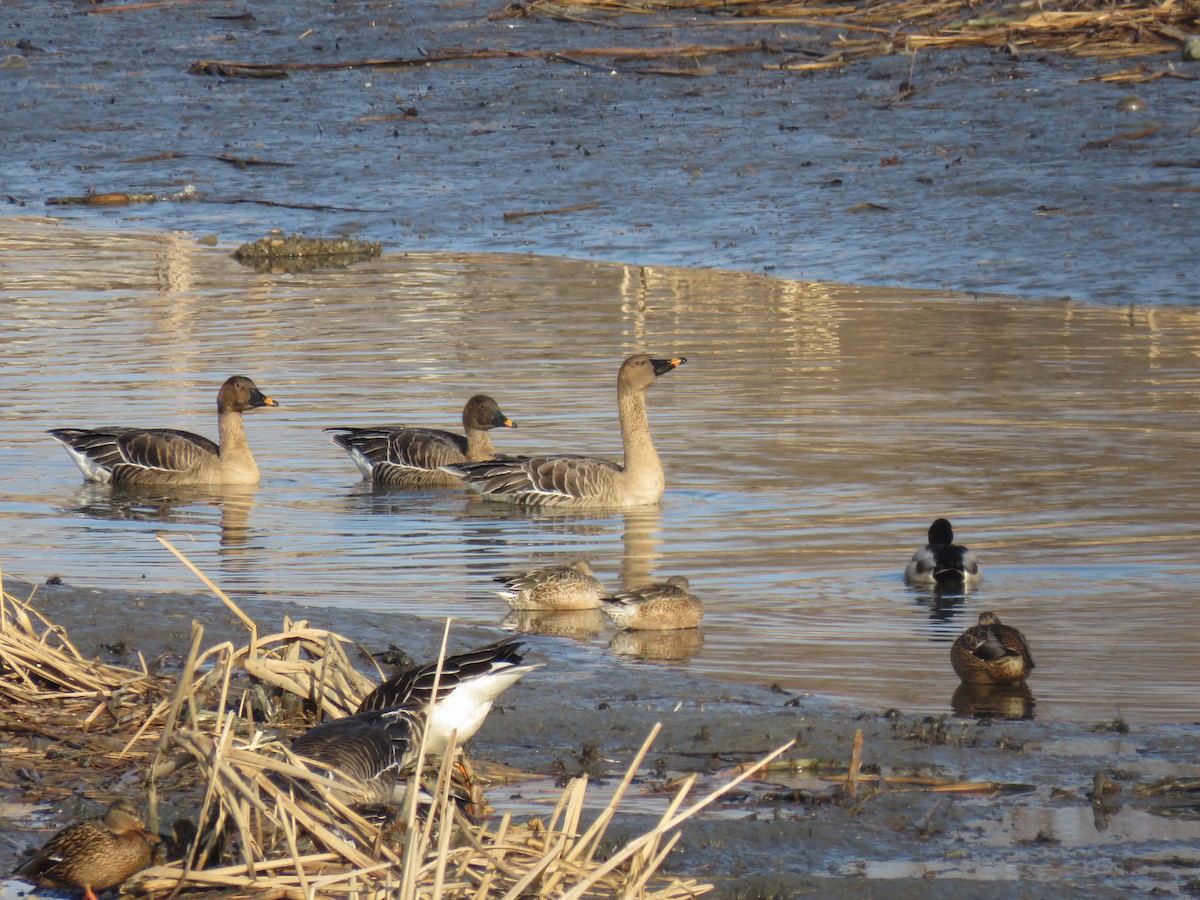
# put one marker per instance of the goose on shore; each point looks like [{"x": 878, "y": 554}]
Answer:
[
  {"x": 991, "y": 653},
  {"x": 160, "y": 456},
  {"x": 942, "y": 562},
  {"x": 398, "y": 455},
  {"x": 377, "y": 743},
  {"x": 666, "y": 606},
  {"x": 94, "y": 854},
  {"x": 568, "y": 481}
]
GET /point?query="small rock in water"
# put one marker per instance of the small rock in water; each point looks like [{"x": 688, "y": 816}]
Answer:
[
  {"x": 14, "y": 61},
  {"x": 1131, "y": 104},
  {"x": 1191, "y": 48}
]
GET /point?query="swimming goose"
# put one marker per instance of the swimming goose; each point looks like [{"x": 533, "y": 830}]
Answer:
[
  {"x": 136, "y": 456},
  {"x": 553, "y": 587},
  {"x": 396, "y": 455},
  {"x": 94, "y": 854},
  {"x": 666, "y": 606},
  {"x": 586, "y": 481},
  {"x": 469, "y": 684},
  {"x": 942, "y": 562},
  {"x": 991, "y": 653}
]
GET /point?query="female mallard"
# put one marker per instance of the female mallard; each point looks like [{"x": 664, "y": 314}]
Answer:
[
  {"x": 666, "y": 606},
  {"x": 586, "y": 481},
  {"x": 137, "y": 456},
  {"x": 941, "y": 562},
  {"x": 396, "y": 455},
  {"x": 553, "y": 587},
  {"x": 94, "y": 854},
  {"x": 991, "y": 653}
]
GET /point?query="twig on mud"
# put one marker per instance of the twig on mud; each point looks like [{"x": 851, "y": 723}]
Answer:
[
  {"x": 513, "y": 216},
  {"x": 687, "y": 51}
]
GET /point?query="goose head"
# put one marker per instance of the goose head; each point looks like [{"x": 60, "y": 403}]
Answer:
[
  {"x": 639, "y": 371},
  {"x": 239, "y": 394},
  {"x": 484, "y": 413}
]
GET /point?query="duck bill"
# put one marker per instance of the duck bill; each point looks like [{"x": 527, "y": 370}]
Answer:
[
  {"x": 666, "y": 365},
  {"x": 258, "y": 398},
  {"x": 502, "y": 421}
]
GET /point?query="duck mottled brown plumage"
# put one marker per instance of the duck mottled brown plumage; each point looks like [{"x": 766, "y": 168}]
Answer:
[
  {"x": 398, "y": 455},
  {"x": 553, "y": 587},
  {"x": 162, "y": 456},
  {"x": 991, "y": 653},
  {"x": 94, "y": 854},
  {"x": 666, "y": 606}
]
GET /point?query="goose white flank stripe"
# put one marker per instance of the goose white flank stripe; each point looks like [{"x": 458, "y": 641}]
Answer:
[
  {"x": 156, "y": 456},
  {"x": 585, "y": 481},
  {"x": 399, "y": 455}
]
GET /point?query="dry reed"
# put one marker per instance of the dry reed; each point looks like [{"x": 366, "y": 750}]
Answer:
[
  {"x": 1096, "y": 28},
  {"x": 271, "y": 826}
]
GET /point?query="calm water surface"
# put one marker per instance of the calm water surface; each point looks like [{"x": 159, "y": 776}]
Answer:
[{"x": 814, "y": 433}]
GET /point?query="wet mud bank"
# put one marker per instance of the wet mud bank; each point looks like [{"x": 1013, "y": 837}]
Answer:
[
  {"x": 1047, "y": 825},
  {"x": 972, "y": 170}
]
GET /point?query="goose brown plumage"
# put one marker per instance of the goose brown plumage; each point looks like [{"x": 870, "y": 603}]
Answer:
[
  {"x": 399, "y": 455},
  {"x": 666, "y": 606},
  {"x": 94, "y": 854},
  {"x": 161, "y": 456},
  {"x": 991, "y": 653},
  {"x": 378, "y": 742},
  {"x": 568, "y": 481}
]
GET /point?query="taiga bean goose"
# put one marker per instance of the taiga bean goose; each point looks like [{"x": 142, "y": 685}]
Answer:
[
  {"x": 942, "y": 562},
  {"x": 469, "y": 684},
  {"x": 375, "y": 748},
  {"x": 94, "y": 854},
  {"x": 397, "y": 455},
  {"x": 553, "y": 587},
  {"x": 586, "y": 481},
  {"x": 378, "y": 743},
  {"x": 136, "y": 456},
  {"x": 666, "y": 606},
  {"x": 991, "y": 653}
]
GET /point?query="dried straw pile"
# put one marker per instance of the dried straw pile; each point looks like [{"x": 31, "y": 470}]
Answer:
[
  {"x": 274, "y": 828},
  {"x": 1089, "y": 28}
]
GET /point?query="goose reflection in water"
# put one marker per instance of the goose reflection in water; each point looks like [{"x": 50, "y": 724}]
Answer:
[
  {"x": 183, "y": 505},
  {"x": 993, "y": 701}
]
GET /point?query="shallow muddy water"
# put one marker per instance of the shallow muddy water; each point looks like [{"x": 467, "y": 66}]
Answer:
[{"x": 813, "y": 434}]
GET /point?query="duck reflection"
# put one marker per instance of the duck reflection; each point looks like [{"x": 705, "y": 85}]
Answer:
[
  {"x": 658, "y": 646},
  {"x": 579, "y": 624},
  {"x": 993, "y": 701},
  {"x": 945, "y": 604}
]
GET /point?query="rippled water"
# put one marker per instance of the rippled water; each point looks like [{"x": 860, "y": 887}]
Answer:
[{"x": 814, "y": 433}]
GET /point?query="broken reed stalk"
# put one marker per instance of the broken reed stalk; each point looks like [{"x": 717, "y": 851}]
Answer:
[{"x": 855, "y": 764}]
